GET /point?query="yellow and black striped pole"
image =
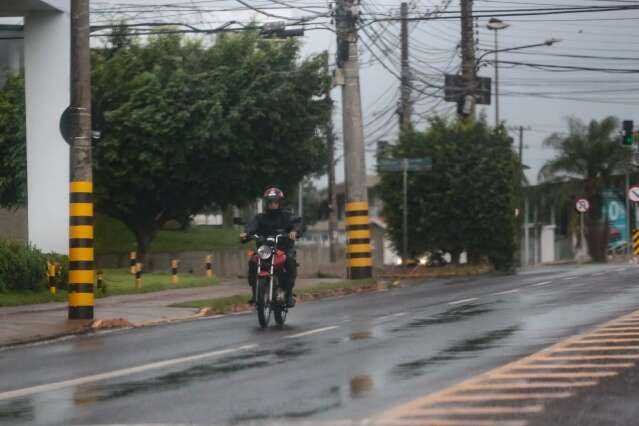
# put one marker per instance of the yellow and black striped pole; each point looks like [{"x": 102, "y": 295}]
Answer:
[
  {"x": 635, "y": 242},
  {"x": 80, "y": 167},
  {"x": 358, "y": 234},
  {"x": 138, "y": 275},
  {"x": 209, "y": 268},
  {"x": 51, "y": 272},
  {"x": 81, "y": 258},
  {"x": 132, "y": 261},
  {"x": 174, "y": 271}
]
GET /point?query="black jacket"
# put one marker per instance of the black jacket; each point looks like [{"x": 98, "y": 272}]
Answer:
[{"x": 273, "y": 222}]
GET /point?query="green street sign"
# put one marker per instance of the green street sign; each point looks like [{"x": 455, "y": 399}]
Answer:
[{"x": 409, "y": 164}]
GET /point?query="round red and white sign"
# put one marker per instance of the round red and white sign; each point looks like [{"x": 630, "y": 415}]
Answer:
[
  {"x": 633, "y": 194},
  {"x": 582, "y": 205}
]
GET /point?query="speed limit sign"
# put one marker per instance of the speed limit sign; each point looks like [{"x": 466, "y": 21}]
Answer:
[{"x": 582, "y": 205}]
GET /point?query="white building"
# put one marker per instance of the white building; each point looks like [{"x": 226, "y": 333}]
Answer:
[{"x": 44, "y": 26}]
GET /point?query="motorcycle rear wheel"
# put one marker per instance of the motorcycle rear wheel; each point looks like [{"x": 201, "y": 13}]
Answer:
[{"x": 262, "y": 304}]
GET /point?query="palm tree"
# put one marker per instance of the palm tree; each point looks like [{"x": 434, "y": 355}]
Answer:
[{"x": 587, "y": 156}]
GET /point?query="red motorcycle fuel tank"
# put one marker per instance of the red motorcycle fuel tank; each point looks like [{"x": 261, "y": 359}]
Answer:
[{"x": 279, "y": 259}]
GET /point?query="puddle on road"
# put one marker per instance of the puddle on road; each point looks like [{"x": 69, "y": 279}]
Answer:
[
  {"x": 198, "y": 373},
  {"x": 17, "y": 411},
  {"x": 454, "y": 314},
  {"x": 461, "y": 350},
  {"x": 326, "y": 400}
]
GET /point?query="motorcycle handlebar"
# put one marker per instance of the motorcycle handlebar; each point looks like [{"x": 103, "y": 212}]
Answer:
[{"x": 258, "y": 237}]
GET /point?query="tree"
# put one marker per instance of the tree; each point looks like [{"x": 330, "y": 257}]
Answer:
[
  {"x": 591, "y": 154},
  {"x": 466, "y": 202},
  {"x": 184, "y": 126},
  {"x": 13, "y": 151}
]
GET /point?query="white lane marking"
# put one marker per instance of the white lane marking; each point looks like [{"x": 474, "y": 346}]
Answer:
[
  {"x": 506, "y": 292},
  {"x": 390, "y": 317},
  {"x": 574, "y": 277},
  {"x": 620, "y": 270},
  {"x": 459, "y": 302},
  {"x": 541, "y": 283},
  {"x": 308, "y": 333},
  {"x": 598, "y": 274},
  {"x": 118, "y": 373}
]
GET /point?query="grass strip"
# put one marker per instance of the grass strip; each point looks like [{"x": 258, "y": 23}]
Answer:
[
  {"x": 237, "y": 302},
  {"x": 117, "y": 281}
]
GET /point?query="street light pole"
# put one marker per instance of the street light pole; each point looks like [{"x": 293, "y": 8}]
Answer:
[
  {"x": 496, "y": 81},
  {"x": 496, "y": 25}
]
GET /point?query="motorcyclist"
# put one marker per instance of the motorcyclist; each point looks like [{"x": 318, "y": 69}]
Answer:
[{"x": 274, "y": 221}]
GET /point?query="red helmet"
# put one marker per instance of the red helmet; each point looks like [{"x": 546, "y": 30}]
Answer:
[{"x": 273, "y": 194}]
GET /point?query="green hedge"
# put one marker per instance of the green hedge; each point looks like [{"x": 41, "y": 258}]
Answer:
[{"x": 24, "y": 268}]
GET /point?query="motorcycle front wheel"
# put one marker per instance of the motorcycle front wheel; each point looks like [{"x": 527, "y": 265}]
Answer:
[
  {"x": 280, "y": 310},
  {"x": 262, "y": 303}
]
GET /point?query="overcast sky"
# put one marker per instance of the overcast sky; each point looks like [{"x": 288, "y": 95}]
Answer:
[{"x": 538, "y": 98}]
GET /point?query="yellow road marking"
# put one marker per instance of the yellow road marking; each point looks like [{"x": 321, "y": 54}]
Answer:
[
  {"x": 466, "y": 411},
  {"x": 533, "y": 385},
  {"x": 445, "y": 422},
  {"x": 587, "y": 357},
  {"x": 503, "y": 397},
  {"x": 514, "y": 376},
  {"x": 612, "y": 334},
  {"x": 620, "y": 328},
  {"x": 555, "y": 375},
  {"x": 573, "y": 366},
  {"x": 628, "y": 340},
  {"x": 598, "y": 348}
]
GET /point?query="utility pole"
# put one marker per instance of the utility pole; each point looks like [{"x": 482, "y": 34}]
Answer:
[
  {"x": 332, "y": 197},
  {"x": 406, "y": 107},
  {"x": 81, "y": 260},
  {"x": 468, "y": 58},
  {"x": 359, "y": 257}
]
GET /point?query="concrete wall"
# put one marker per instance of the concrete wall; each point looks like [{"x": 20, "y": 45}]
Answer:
[
  {"x": 13, "y": 224},
  {"x": 314, "y": 261}
]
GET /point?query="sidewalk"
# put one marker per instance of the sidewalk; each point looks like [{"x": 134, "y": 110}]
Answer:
[{"x": 28, "y": 323}]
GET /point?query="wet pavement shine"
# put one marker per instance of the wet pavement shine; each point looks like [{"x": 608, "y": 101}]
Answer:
[{"x": 337, "y": 361}]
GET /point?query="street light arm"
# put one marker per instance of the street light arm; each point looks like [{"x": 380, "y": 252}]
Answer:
[{"x": 549, "y": 42}]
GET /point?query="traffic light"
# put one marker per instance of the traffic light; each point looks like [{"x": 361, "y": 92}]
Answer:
[{"x": 627, "y": 136}]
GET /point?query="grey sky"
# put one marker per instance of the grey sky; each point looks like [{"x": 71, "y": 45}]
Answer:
[{"x": 530, "y": 97}]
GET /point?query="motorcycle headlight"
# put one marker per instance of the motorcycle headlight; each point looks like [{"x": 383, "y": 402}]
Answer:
[{"x": 264, "y": 252}]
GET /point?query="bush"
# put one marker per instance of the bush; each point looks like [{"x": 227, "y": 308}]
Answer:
[{"x": 22, "y": 267}]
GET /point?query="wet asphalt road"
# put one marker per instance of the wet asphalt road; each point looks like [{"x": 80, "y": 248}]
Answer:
[{"x": 340, "y": 359}]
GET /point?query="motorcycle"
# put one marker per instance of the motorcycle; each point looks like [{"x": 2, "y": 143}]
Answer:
[{"x": 270, "y": 297}]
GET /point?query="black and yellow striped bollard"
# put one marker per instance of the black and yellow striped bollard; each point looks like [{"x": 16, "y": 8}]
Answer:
[
  {"x": 635, "y": 242},
  {"x": 132, "y": 262},
  {"x": 81, "y": 260},
  {"x": 100, "y": 282},
  {"x": 209, "y": 267},
  {"x": 51, "y": 272},
  {"x": 174, "y": 271},
  {"x": 138, "y": 275},
  {"x": 358, "y": 248}
]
